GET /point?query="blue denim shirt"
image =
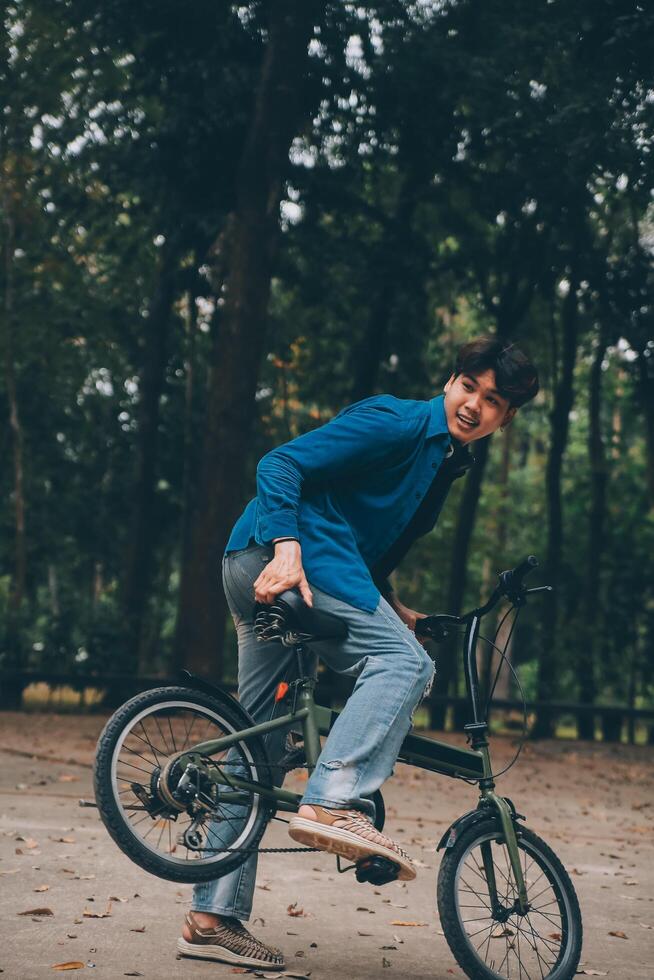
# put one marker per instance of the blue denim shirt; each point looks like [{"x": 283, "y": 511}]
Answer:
[{"x": 347, "y": 490}]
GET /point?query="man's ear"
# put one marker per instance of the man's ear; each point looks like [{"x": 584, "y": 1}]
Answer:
[
  {"x": 448, "y": 384},
  {"x": 508, "y": 418}
]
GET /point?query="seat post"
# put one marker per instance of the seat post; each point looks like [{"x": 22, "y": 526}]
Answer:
[{"x": 300, "y": 651}]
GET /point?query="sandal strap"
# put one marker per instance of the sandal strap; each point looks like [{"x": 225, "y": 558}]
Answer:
[{"x": 234, "y": 936}]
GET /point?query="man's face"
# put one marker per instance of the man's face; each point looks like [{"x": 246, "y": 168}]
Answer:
[{"x": 474, "y": 407}]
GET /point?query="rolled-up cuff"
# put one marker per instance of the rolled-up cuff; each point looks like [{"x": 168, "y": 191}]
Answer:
[{"x": 278, "y": 525}]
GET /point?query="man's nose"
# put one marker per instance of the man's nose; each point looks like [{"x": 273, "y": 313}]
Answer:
[{"x": 473, "y": 403}]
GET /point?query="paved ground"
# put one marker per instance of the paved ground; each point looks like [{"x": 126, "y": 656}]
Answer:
[{"x": 593, "y": 804}]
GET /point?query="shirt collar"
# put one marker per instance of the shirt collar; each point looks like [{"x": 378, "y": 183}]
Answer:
[
  {"x": 437, "y": 419},
  {"x": 438, "y": 426}
]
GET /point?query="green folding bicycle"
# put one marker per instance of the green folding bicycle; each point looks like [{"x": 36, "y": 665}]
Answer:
[{"x": 185, "y": 788}]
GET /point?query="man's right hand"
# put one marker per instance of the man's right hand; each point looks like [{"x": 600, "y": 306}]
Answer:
[{"x": 283, "y": 572}]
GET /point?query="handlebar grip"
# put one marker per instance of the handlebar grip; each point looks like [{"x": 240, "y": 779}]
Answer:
[
  {"x": 525, "y": 566},
  {"x": 511, "y": 581}
]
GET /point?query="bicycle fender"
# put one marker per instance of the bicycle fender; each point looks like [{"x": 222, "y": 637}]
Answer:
[
  {"x": 461, "y": 824},
  {"x": 192, "y": 680}
]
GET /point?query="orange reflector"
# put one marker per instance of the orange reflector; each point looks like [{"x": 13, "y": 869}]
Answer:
[{"x": 282, "y": 691}]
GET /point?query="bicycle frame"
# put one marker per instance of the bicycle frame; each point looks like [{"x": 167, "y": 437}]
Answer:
[{"x": 417, "y": 750}]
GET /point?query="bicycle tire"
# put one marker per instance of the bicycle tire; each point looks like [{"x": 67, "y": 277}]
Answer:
[
  {"x": 452, "y": 917},
  {"x": 113, "y": 813}
]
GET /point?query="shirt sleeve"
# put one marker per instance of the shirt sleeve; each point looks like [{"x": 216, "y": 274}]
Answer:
[
  {"x": 363, "y": 435},
  {"x": 383, "y": 585}
]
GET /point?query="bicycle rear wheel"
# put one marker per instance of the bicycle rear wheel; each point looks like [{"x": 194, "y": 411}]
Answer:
[
  {"x": 494, "y": 943},
  {"x": 192, "y": 836}
]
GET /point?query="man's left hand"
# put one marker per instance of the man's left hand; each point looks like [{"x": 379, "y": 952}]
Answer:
[{"x": 409, "y": 617}]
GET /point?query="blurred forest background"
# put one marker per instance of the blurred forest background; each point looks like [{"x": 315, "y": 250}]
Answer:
[{"x": 223, "y": 222}]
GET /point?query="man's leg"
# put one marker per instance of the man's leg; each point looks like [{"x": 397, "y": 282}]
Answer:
[
  {"x": 393, "y": 673},
  {"x": 225, "y": 902}
]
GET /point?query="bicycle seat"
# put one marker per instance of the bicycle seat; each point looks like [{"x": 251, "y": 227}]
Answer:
[{"x": 290, "y": 613}]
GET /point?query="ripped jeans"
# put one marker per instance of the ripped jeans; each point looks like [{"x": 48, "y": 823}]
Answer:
[{"x": 393, "y": 672}]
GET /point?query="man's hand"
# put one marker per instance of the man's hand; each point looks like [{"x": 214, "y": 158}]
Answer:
[
  {"x": 409, "y": 617},
  {"x": 283, "y": 572}
]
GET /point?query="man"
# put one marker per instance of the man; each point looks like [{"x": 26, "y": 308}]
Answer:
[{"x": 335, "y": 512}]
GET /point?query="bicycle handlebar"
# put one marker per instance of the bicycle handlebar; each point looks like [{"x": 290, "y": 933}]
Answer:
[{"x": 510, "y": 585}]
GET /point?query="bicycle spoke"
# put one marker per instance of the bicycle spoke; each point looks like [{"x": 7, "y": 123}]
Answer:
[
  {"x": 147, "y": 740},
  {"x": 188, "y": 732},
  {"x": 163, "y": 737},
  {"x": 170, "y": 728},
  {"x": 473, "y": 892}
]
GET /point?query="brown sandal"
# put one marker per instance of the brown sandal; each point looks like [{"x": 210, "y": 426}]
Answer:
[{"x": 230, "y": 942}]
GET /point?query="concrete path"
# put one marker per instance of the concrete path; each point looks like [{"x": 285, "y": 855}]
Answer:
[{"x": 593, "y": 804}]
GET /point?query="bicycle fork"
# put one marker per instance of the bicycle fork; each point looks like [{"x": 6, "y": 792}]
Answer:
[{"x": 506, "y": 818}]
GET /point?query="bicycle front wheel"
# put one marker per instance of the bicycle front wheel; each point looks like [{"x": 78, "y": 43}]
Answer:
[
  {"x": 488, "y": 937},
  {"x": 172, "y": 820}
]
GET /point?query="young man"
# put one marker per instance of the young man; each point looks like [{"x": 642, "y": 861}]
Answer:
[{"x": 336, "y": 510}]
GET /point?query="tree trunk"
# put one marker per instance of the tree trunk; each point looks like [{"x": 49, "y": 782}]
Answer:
[
  {"x": 597, "y": 461},
  {"x": 251, "y": 242},
  {"x": 143, "y": 525},
  {"x": 645, "y": 390},
  {"x": 19, "y": 575},
  {"x": 559, "y": 422},
  {"x": 389, "y": 270},
  {"x": 464, "y": 528}
]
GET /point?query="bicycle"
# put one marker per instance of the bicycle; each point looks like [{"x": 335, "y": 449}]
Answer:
[{"x": 506, "y": 904}]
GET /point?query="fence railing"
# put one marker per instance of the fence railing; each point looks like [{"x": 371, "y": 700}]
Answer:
[{"x": 331, "y": 688}]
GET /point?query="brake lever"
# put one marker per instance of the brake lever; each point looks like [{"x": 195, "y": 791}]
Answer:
[
  {"x": 432, "y": 630},
  {"x": 539, "y": 588}
]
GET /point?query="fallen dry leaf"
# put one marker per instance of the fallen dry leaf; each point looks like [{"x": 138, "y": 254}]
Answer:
[
  {"x": 36, "y": 912},
  {"x": 89, "y": 914},
  {"x": 593, "y": 973},
  {"x": 620, "y": 935},
  {"x": 399, "y": 922},
  {"x": 42, "y": 888},
  {"x": 294, "y": 911},
  {"x": 29, "y": 842},
  {"x": 71, "y": 965},
  {"x": 63, "y": 840},
  {"x": 116, "y": 898},
  {"x": 137, "y": 929},
  {"x": 67, "y": 777}
]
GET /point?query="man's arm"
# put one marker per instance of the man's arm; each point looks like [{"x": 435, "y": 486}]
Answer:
[{"x": 369, "y": 433}]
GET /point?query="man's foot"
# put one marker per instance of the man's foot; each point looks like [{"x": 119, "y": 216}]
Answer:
[
  {"x": 349, "y": 833},
  {"x": 223, "y": 938}
]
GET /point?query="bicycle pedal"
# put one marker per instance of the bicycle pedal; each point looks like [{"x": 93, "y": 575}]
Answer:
[{"x": 377, "y": 870}]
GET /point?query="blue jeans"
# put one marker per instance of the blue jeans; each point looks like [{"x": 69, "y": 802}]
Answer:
[{"x": 393, "y": 672}]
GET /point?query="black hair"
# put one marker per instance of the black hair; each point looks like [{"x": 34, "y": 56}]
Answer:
[{"x": 515, "y": 375}]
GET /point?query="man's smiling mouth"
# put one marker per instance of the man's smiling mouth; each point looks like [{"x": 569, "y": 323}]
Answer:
[{"x": 468, "y": 422}]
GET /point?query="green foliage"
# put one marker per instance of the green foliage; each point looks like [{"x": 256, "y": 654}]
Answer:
[{"x": 466, "y": 162}]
